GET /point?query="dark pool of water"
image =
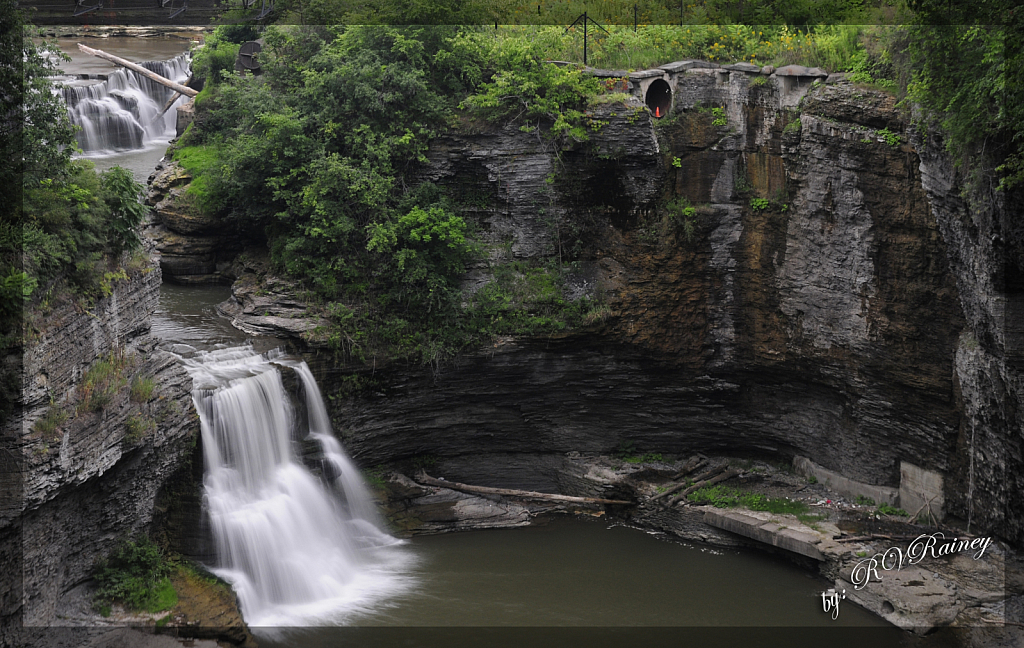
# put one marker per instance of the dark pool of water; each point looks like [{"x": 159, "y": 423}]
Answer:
[{"x": 588, "y": 583}]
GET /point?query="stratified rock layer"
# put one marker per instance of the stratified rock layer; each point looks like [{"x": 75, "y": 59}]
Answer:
[
  {"x": 90, "y": 482},
  {"x": 817, "y": 307}
]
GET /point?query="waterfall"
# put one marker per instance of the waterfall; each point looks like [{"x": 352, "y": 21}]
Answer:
[
  {"x": 298, "y": 549},
  {"x": 121, "y": 113}
]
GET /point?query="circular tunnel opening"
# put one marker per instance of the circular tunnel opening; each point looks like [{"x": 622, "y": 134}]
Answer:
[{"x": 659, "y": 97}]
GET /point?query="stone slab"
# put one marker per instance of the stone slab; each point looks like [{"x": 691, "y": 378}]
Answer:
[
  {"x": 766, "y": 532},
  {"x": 679, "y": 66}
]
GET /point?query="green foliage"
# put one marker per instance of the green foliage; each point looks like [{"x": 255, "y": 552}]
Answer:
[
  {"x": 723, "y": 497},
  {"x": 792, "y": 127},
  {"x": 864, "y": 501},
  {"x": 49, "y": 423},
  {"x": 683, "y": 215},
  {"x": 137, "y": 427},
  {"x": 425, "y": 249},
  {"x": 122, "y": 195},
  {"x": 525, "y": 89},
  {"x": 886, "y": 509},
  {"x": 812, "y": 480},
  {"x": 135, "y": 575},
  {"x": 892, "y": 139},
  {"x": 759, "y": 204},
  {"x": 967, "y": 70},
  {"x": 718, "y": 117},
  {"x": 142, "y": 389},
  {"x": 811, "y": 518},
  {"x": 101, "y": 382},
  {"x": 217, "y": 55}
]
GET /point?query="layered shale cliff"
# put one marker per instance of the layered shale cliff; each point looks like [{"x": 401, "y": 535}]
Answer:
[
  {"x": 104, "y": 418},
  {"x": 824, "y": 301}
]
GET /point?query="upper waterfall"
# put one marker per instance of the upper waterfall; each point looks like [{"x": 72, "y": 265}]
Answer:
[
  {"x": 297, "y": 549},
  {"x": 123, "y": 112}
]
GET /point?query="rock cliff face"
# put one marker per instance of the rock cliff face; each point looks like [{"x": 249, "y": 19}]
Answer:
[
  {"x": 193, "y": 249},
  {"x": 823, "y": 304},
  {"x": 88, "y": 478}
]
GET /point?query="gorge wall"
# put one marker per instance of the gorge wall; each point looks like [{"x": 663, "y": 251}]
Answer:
[
  {"x": 90, "y": 481},
  {"x": 826, "y": 303}
]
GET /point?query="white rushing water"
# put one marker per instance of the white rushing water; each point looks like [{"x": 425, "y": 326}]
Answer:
[
  {"x": 298, "y": 549},
  {"x": 122, "y": 113}
]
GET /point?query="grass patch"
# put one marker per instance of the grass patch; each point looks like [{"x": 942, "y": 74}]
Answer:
[
  {"x": 886, "y": 509},
  {"x": 724, "y": 497},
  {"x": 46, "y": 426},
  {"x": 644, "y": 458},
  {"x": 137, "y": 427},
  {"x": 102, "y": 381},
  {"x": 811, "y": 518},
  {"x": 142, "y": 389}
]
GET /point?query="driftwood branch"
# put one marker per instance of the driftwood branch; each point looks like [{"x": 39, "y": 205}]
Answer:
[
  {"x": 149, "y": 74},
  {"x": 424, "y": 478},
  {"x": 693, "y": 464},
  {"x": 729, "y": 474}
]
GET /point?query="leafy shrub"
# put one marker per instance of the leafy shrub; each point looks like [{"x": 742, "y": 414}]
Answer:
[
  {"x": 525, "y": 88},
  {"x": 892, "y": 139},
  {"x": 759, "y": 204},
  {"x": 864, "y": 501},
  {"x": 135, "y": 575},
  {"x": 718, "y": 117}
]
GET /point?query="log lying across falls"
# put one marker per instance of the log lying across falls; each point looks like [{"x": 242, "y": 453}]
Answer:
[
  {"x": 426, "y": 479},
  {"x": 149, "y": 74}
]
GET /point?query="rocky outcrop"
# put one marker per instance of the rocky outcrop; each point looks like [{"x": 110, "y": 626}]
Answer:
[
  {"x": 193, "y": 248},
  {"x": 263, "y": 304},
  {"x": 812, "y": 311},
  {"x": 988, "y": 464},
  {"x": 817, "y": 308},
  {"x": 104, "y": 418}
]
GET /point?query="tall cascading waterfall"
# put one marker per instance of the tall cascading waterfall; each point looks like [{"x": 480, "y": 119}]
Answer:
[
  {"x": 122, "y": 113},
  {"x": 298, "y": 550}
]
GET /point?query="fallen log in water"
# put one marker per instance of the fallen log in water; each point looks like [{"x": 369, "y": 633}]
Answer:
[
  {"x": 149, "y": 74},
  {"x": 424, "y": 478}
]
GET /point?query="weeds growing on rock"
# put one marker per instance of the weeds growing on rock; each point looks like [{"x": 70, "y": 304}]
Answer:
[{"x": 142, "y": 389}]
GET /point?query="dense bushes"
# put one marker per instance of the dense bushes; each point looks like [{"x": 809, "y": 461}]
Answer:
[{"x": 136, "y": 576}]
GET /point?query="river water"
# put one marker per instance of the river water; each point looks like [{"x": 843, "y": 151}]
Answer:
[{"x": 568, "y": 582}]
